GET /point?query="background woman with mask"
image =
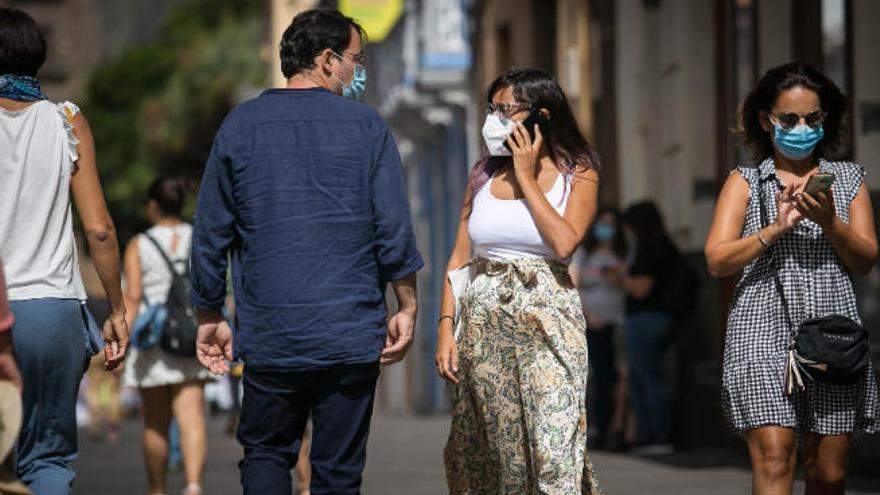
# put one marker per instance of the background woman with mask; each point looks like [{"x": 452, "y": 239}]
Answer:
[
  {"x": 594, "y": 269},
  {"x": 170, "y": 385},
  {"x": 810, "y": 243},
  {"x": 648, "y": 280},
  {"x": 520, "y": 362}
]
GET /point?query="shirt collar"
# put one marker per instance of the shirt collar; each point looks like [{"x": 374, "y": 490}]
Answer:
[{"x": 767, "y": 168}]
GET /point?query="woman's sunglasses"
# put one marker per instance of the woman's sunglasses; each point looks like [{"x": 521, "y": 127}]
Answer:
[
  {"x": 790, "y": 120},
  {"x": 506, "y": 109}
]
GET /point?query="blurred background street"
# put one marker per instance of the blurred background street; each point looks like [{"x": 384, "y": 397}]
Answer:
[{"x": 655, "y": 85}]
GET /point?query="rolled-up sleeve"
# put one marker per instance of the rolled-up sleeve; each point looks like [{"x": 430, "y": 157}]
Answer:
[
  {"x": 394, "y": 239},
  {"x": 213, "y": 231}
]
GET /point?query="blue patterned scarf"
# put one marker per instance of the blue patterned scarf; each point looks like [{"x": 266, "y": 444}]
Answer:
[{"x": 21, "y": 88}]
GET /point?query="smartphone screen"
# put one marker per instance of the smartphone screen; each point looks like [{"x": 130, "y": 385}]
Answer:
[{"x": 819, "y": 182}]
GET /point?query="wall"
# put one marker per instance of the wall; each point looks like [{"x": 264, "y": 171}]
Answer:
[
  {"x": 281, "y": 14},
  {"x": 774, "y": 33},
  {"x": 82, "y": 34},
  {"x": 665, "y": 110},
  {"x": 866, "y": 64}
]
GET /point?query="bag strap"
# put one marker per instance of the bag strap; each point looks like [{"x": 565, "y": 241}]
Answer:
[
  {"x": 165, "y": 257},
  {"x": 793, "y": 366},
  {"x": 773, "y": 266}
]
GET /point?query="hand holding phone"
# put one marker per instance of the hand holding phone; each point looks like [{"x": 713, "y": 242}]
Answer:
[
  {"x": 535, "y": 117},
  {"x": 819, "y": 182},
  {"x": 815, "y": 207}
]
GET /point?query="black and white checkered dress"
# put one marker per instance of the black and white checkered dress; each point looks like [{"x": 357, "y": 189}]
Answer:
[{"x": 816, "y": 283}]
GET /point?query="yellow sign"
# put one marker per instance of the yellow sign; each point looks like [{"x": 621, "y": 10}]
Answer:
[{"x": 377, "y": 17}]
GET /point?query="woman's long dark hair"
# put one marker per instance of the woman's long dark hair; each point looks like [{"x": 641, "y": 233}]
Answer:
[
  {"x": 646, "y": 222},
  {"x": 565, "y": 142},
  {"x": 763, "y": 97}
]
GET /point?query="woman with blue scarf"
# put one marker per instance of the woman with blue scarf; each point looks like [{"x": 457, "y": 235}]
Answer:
[{"x": 46, "y": 153}]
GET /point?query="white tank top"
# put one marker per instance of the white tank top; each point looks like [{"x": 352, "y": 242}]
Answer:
[
  {"x": 156, "y": 279},
  {"x": 37, "y": 156},
  {"x": 503, "y": 229}
]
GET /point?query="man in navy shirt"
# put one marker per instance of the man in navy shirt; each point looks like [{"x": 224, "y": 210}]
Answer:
[{"x": 304, "y": 191}]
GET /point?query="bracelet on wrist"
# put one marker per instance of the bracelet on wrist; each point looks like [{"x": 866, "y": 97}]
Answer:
[
  {"x": 762, "y": 240},
  {"x": 451, "y": 318}
]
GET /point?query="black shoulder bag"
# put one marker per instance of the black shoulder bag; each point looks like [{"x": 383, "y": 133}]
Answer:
[
  {"x": 831, "y": 348},
  {"x": 180, "y": 330}
]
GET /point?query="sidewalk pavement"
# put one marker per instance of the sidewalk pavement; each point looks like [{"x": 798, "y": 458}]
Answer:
[{"x": 405, "y": 458}]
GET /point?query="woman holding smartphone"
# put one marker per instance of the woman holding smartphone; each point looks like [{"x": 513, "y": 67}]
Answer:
[
  {"x": 810, "y": 243},
  {"x": 519, "y": 365}
]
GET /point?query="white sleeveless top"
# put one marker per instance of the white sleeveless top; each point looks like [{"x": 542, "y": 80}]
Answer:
[
  {"x": 503, "y": 229},
  {"x": 156, "y": 279},
  {"x": 154, "y": 367},
  {"x": 37, "y": 156}
]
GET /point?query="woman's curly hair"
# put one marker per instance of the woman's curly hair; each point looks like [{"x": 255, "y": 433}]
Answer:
[{"x": 763, "y": 96}]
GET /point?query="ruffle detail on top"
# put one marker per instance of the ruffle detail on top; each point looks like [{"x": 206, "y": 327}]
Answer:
[{"x": 68, "y": 111}]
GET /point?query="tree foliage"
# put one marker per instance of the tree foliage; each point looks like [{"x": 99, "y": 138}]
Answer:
[{"x": 155, "y": 108}]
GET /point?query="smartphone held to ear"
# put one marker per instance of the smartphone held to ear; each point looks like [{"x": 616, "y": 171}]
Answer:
[
  {"x": 819, "y": 182},
  {"x": 536, "y": 117}
]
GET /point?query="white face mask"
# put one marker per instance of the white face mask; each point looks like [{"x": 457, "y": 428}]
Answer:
[{"x": 495, "y": 133}]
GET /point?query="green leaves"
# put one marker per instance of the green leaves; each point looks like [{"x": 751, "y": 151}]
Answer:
[{"x": 155, "y": 108}]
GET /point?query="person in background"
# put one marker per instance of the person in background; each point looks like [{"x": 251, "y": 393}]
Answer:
[
  {"x": 8, "y": 368},
  {"x": 9, "y": 484},
  {"x": 102, "y": 394},
  {"x": 304, "y": 191},
  {"x": 47, "y": 152},
  {"x": 169, "y": 385},
  {"x": 100, "y": 391},
  {"x": 648, "y": 322},
  {"x": 812, "y": 244},
  {"x": 597, "y": 262}
]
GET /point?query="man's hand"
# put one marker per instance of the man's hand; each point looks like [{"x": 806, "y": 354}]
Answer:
[
  {"x": 399, "y": 337},
  {"x": 8, "y": 368},
  {"x": 214, "y": 342},
  {"x": 115, "y": 335}
]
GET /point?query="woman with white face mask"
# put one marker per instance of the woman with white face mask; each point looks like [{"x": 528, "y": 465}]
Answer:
[
  {"x": 797, "y": 246},
  {"x": 512, "y": 334}
]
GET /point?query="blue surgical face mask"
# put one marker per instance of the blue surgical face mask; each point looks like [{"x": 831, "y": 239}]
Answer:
[
  {"x": 355, "y": 89},
  {"x": 603, "y": 232},
  {"x": 799, "y": 142}
]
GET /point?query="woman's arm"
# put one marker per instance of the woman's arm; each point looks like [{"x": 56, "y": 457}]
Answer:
[
  {"x": 563, "y": 233},
  {"x": 856, "y": 242},
  {"x": 446, "y": 358},
  {"x": 638, "y": 287},
  {"x": 133, "y": 281},
  {"x": 101, "y": 236},
  {"x": 726, "y": 250}
]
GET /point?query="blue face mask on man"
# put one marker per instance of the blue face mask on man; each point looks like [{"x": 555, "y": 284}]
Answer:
[
  {"x": 799, "y": 142},
  {"x": 355, "y": 89}
]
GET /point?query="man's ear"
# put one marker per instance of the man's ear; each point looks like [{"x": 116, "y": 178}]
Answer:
[{"x": 324, "y": 61}]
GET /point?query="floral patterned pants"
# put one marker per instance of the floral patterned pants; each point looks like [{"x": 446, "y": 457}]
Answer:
[{"x": 519, "y": 420}]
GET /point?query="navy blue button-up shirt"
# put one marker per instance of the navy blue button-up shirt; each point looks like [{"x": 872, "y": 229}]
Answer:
[{"x": 304, "y": 191}]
